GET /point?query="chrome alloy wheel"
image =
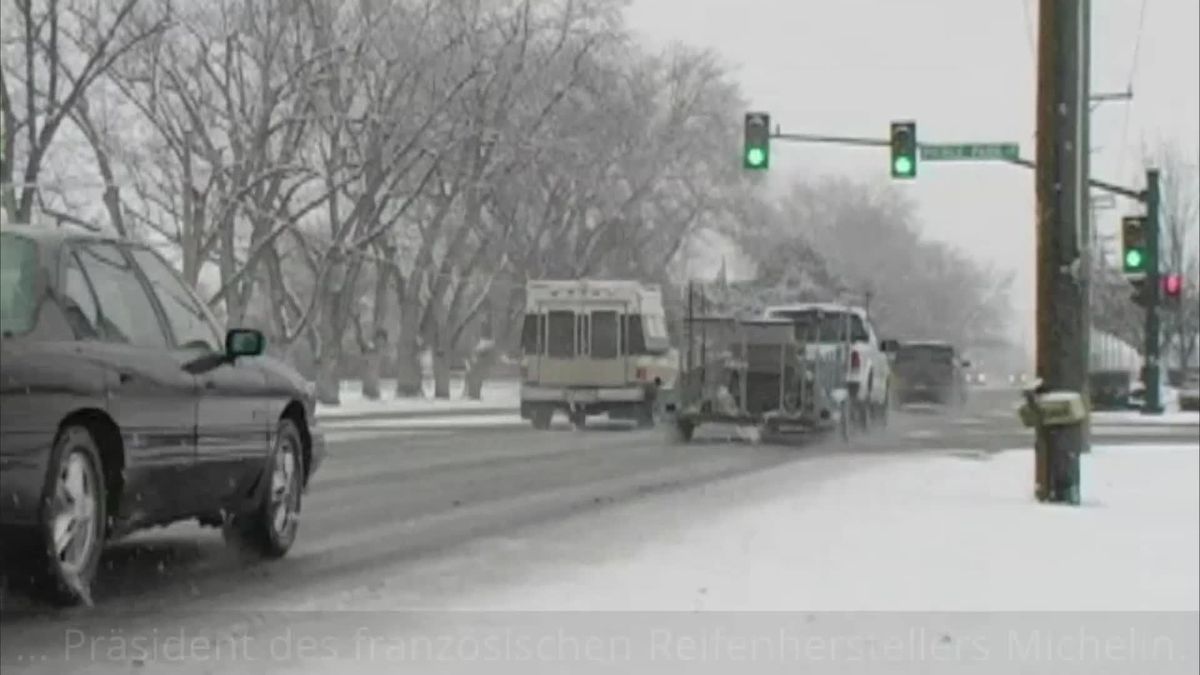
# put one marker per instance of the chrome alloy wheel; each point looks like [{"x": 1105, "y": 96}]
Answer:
[
  {"x": 284, "y": 505},
  {"x": 73, "y": 520}
]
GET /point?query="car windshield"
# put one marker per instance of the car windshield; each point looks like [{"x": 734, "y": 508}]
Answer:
[
  {"x": 18, "y": 272},
  {"x": 926, "y": 353}
]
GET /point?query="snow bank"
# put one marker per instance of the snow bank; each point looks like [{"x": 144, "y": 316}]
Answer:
[
  {"x": 496, "y": 394},
  {"x": 1136, "y": 418}
]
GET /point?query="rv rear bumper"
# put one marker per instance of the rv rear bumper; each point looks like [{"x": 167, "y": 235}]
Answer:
[{"x": 582, "y": 395}]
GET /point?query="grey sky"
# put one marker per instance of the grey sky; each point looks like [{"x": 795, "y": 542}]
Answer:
[{"x": 965, "y": 69}]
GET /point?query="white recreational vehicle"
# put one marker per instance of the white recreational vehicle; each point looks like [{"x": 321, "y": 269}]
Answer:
[{"x": 594, "y": 347}]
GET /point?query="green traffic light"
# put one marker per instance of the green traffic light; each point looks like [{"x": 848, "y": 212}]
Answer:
[
  {"x": 756, "y": 156},
  {"x": 1133, "y": 259},
  {"x": 903, "y": 165}
]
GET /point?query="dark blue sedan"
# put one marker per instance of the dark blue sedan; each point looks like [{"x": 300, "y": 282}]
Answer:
[{"x": 122, "y": 406}]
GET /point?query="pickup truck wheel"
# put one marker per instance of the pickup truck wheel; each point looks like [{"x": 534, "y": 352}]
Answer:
[
  {"x": 844, "y": 422},
  {"x": 682, "y": 431},
  {"x": 645, "y": 415}
]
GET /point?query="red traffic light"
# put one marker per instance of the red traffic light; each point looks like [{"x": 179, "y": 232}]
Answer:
[{"x": 1172, "y": 285}]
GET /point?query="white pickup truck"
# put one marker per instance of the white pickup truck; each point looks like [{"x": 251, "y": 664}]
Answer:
[{"x": 824, "y": 326}]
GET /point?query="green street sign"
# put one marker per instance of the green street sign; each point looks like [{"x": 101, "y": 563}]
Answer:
[{"x": 950, "y": 152}]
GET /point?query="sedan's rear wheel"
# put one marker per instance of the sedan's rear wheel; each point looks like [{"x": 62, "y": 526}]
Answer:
[
  {"x": 73, "y": 519},
  {"x": 270, "y": 530}
]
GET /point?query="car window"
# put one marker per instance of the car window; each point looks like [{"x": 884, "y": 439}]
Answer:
[
  {"x": 824, "y": 326},
  {"x": 927, "y": 353},
  {"x": 190, "y": 324},
  {"x": 125, "y": 314},
  {"x": 79, "y": 302},
  {"x": 18, "y": 274},
  {"x": 858, "y": 329}
]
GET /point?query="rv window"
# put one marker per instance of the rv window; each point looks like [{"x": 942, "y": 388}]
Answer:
[
  {"x": 560, "y": 343},
  {"x": 531, "y": 334},
  {"x": 657, "y": 339},
  {"x": 604, "y": 337},
  {"x": 634, "y": 335}
]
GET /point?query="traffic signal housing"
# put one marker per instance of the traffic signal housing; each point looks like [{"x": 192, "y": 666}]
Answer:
[
  {"x": 1133, "y": 245},
  {"x": 1141, "y": 292},
  {"x": 756, "y": 150},
  {"x": 904, "y": 150}
]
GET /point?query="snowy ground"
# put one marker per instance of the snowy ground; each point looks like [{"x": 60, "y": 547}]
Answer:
[
  {"x": 1135, "y": 417},
  {"x": 497, "y": 394},
  {"x": 921, "y": 564},
  {"x": 939, "y": 533}
]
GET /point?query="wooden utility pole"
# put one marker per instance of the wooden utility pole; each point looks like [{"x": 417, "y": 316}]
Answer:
[{"x": 1061, "y": 361}]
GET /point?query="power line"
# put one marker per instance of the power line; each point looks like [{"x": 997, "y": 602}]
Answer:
[
  {"x": 1133, "y": 64},
  {"x": 1029, "y": 30}
]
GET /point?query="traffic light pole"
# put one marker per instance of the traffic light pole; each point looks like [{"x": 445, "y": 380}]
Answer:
[{"x": 1153, "y": 369}]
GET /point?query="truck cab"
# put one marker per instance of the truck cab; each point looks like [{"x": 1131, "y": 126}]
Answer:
[
  {"x": 831, "y": 327},
  {"x": 592, "y": 347}
]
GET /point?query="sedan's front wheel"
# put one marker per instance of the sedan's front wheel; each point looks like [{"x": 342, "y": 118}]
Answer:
[
  {"x": 271, "y": 528},
  {"x": 73, "y": 518}
]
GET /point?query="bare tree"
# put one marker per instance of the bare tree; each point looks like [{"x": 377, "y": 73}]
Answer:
[
  {"x": 920, "y": 288},
  {"x": 65, "y": 47}
]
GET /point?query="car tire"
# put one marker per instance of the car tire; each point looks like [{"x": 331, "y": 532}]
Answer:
[
  {"x": 270, "y": 529},
  {"x": 682, "y": 431},
  {"x": 844, "y": 422},
  {"x": 540, "y": 417},
  {"x": 645, "y": 415},
  {"x": 73, "y": 507},
  {"x": 884, "y": 408}
]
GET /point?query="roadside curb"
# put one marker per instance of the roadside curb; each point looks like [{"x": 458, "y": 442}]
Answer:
[{"x": 418, "y": 414}]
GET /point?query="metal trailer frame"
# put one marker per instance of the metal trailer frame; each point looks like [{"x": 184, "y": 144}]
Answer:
[{"x": 725, "y": 389}]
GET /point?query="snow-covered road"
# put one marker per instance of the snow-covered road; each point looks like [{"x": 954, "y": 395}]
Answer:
[{"x": 610, "y": 552}]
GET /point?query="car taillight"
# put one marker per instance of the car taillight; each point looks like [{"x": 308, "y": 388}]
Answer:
[
  {"x": 641, "y": 374},
  {"x": 855, "y": 361}
]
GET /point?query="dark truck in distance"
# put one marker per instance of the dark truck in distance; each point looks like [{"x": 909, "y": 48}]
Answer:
[{"x": 928, "y": 372}]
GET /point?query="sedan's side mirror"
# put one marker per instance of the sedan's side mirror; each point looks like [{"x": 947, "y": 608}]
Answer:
[
  {"x": 244, "y": 342},
  {"x": 966, "y": 363},
  {"x": 889, "y": 346}
]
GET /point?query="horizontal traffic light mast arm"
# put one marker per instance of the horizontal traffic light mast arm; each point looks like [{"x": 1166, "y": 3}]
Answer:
[
  {"x": 1139, "y": 195},
  {"x": 836, "y": 140}
]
